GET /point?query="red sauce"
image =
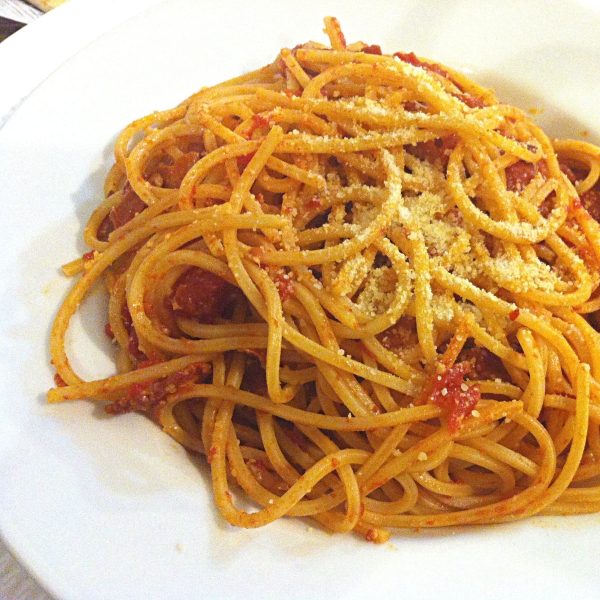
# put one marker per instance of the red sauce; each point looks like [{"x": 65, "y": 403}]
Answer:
[
  {"x": 258, "y": 122},
  {"x": 573, "y": 175},
  {"x": 286, "y": 286},
  {"x": 401, "y": 335},
  {"x": 294, "y": 435},
  {"x": 259, "y": 353},
  {"x": 377, "y": 484},
  {"x": 521, "y": 173},
  {"x": 258, "y": 469},
  {"x": 255, "y": 378},
  {"x": 435, "y": 151},
  {"x": 264, "y": 476},
  {"x": 59, "y": 381},
  {"x": 447, "y": 391},
  {"x": 414, "y": 106},
  {"x": 412, "y": 59},
  {"x": 133, "y": 346},
  {"x": 454, "y": 217},
  {"x": 590, "y": 200},
  {"x": 470, "y": 100},
  {"x": 244, "y": 161},
  {"x": 314, "y": 203},
  {"x": 130, "y": 206},
  {"x": 372, "y": 535},
  {"x": 338, "y": 30},
  {"x": 484, "y": 364},
  {"x": 202, "y": 295},
  {"x": 588, "y": 255},
  {"x": 373, "y": 49},
  {"x": 172, "y": 173},
  {"x": 105, "y": 229},
  {"x": 575, "y": 204},
  {"x": 212, "y": 453},
  {"x": 545, "y": 208},
  {"x": 151, "y": 395}
]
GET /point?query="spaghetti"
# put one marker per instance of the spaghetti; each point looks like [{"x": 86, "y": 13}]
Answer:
[{"x": 362, "y": 287}]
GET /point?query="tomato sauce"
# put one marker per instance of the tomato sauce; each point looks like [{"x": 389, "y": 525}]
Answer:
[
  {"x": 412, "y": 59},
  {"x": 149, "y": 396},
  {"x": 130, "y": 206},
  {"x": 172, "y": 172},
  {"x": 520, "y": 174},
  {"x": 435, "y": 151},
  {"x": 202, "y": 295},
  {"x": 451, "y": 392}
]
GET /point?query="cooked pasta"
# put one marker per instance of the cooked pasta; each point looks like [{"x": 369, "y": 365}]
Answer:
[{"x": 363, "y": 287}]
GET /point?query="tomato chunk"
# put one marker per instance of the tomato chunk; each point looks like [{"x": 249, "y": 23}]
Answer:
[
  {"x": 372, "y": 49},
  {"x": 172, "y": 172},
  {"x": 202, "y": 295},
  {"x": 130, "y": 206},
  {"x": 450, "y": 391},
  {"x": 521, "y": 173}
]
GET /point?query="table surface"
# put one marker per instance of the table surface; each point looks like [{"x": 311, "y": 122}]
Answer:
[
  {"x": 15, "y": 582},
  {"x": 18, "y": 10}
]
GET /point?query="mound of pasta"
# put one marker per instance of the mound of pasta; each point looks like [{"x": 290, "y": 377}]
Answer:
[{"x": 363, "y": 287}]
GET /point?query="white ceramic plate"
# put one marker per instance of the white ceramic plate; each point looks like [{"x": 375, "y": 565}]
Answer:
[{"x": 111, "y": 508}]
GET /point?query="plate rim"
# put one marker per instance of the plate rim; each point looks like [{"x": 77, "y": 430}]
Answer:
[{"x": 70, "y": 13}]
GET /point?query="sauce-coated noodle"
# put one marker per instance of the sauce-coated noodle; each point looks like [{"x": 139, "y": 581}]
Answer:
[{"x": 363, "y": 287}]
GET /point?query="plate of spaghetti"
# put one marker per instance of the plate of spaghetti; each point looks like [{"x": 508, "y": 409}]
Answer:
[{"x": 334, "y": 301}]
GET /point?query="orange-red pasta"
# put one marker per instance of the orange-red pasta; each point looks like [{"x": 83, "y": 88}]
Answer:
[{"x": 361, "y": 286}]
